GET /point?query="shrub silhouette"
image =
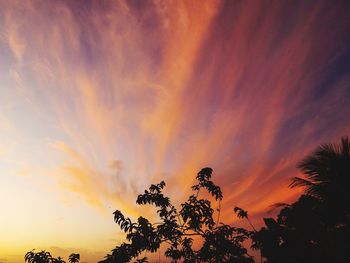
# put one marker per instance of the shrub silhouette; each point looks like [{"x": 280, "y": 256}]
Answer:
[
  {"x": 221, "y": 242},
  {"x": 41, "y": 257},
  {"x": 315, "y": 228},
  {"x": 46, "y": 257},
  {"x": 74, "y": 258}
]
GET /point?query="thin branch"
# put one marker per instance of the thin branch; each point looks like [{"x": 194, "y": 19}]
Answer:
[
  {"x": 198, "y": 192},
  {"x": 250, "y": 223},
  {"x": 219, "y": 210}
]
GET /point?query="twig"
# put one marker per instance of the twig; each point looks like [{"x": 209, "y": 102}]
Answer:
[{"x": 219, "y": 210}]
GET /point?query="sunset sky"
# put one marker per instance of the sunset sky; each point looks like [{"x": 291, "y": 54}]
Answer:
[{"x": 99, "y": 99}]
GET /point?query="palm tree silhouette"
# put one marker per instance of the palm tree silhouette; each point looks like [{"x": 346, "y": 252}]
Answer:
[
  {"x": 74, "y": 258},
  {"x": 316, "y": 227},
  {"x": 327, "y": 179}
]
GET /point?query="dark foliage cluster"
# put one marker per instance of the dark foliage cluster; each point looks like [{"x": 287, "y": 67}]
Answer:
[
  {"x": 315, "y": 228},
  {"x": 221, "y": 242},
  {"x": 46, "y": 257}
]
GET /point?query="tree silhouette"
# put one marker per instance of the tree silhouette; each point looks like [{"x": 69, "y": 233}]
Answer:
[
  {"x": 327, "y": 173},
  {"x": 41, "y": 257},
  {"x": 220, "y": 242},
  {"x": 316, "y": 227},
  {"x": 74, "y": 258},
  {"x": 46, "y": 257}
]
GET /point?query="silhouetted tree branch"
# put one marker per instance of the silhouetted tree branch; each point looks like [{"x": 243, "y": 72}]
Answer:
[{"x": 221, "y": 242}]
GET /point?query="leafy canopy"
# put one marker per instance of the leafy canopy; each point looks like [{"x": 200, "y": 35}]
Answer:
[
  {"x": 195, "y": 218},
  {"x": 46, "y": 257}
]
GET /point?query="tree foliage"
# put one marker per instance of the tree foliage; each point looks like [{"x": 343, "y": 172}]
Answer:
[
  {"x": 74, "y": 258},
  {"x": 315, "y": 228},
  {"x": 41, "y": 257},
  {"x": 46, "y": 257},
  {"x": 195, "y": 218}
]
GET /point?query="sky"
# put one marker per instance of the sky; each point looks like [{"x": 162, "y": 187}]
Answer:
[{"x": 99, "y": 99}]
